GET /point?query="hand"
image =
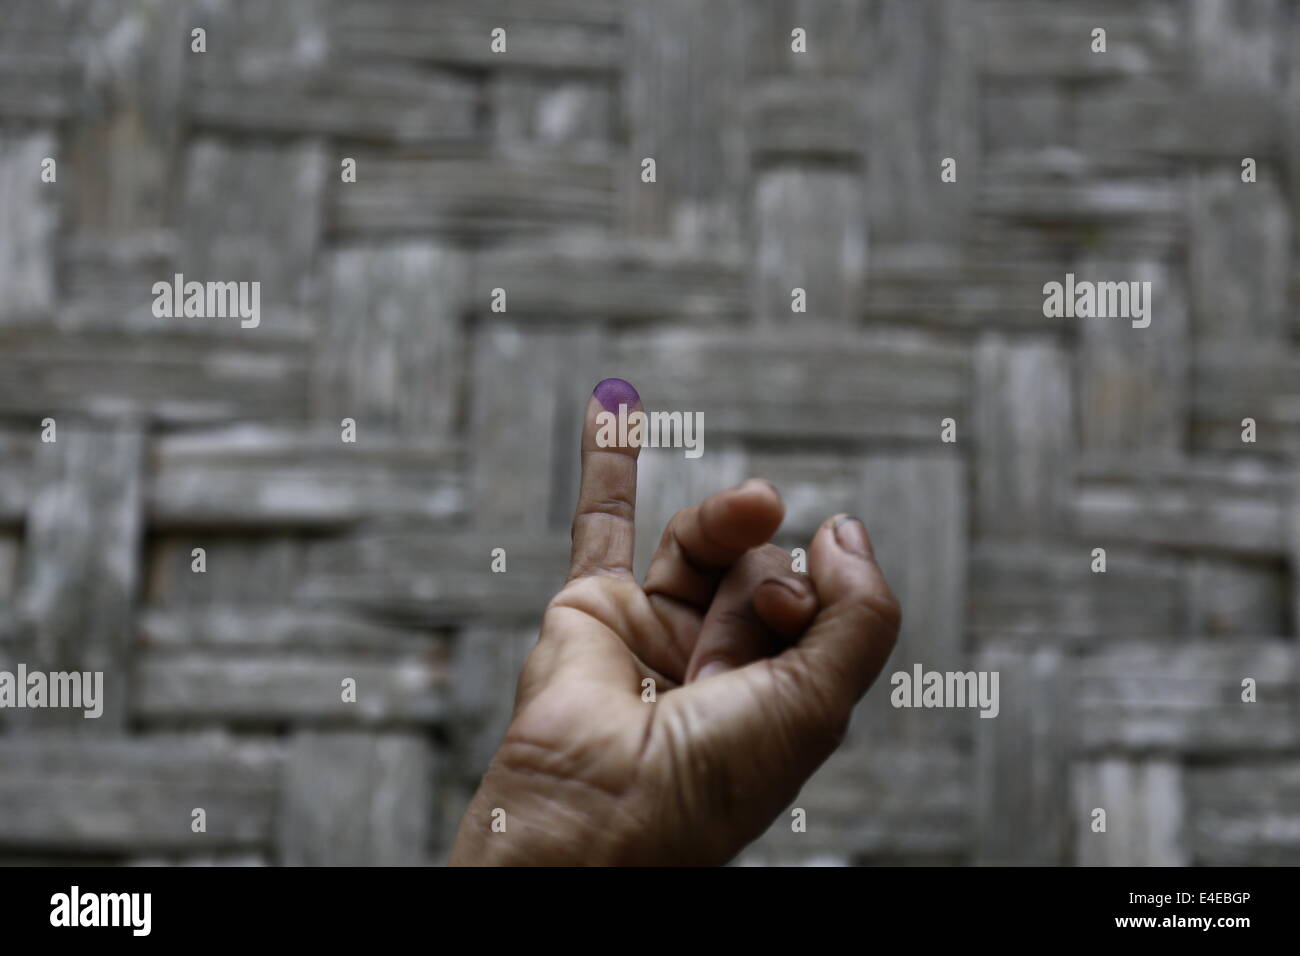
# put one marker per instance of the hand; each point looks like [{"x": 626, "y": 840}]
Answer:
[{"x": 756, "y": 671}]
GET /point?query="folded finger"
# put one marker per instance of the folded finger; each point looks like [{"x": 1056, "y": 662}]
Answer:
[
  {"x": 702, "y": 542},
  {"x": 760, "y": 607}
]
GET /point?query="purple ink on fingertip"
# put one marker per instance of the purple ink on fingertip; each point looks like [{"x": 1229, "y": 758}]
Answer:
[{"x": 613, "y": 392}]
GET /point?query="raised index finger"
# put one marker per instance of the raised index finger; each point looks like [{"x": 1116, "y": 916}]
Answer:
[{"x": 603, "y": 528}]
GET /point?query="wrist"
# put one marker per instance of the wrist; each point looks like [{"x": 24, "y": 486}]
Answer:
[{"x": 537, "y": 826}]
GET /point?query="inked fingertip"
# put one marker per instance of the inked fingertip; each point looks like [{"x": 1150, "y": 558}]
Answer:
[{"x": 613, "y": 392}]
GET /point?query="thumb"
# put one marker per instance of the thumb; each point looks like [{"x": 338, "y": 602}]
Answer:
[{"x": 851, "y": 638}]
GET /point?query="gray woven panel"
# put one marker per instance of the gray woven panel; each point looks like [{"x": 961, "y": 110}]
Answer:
[{"x": 327, "y": 560}]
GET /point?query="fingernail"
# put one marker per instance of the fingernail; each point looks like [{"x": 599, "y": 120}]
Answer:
[
  {"x": 852, "y": 536},
  {"x": 794, "y": 586},
  {"x": 613, "y": 392},
  {"x": 709, "y": 669}
]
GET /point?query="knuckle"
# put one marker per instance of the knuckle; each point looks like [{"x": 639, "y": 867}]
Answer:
[
  {"x": 871, "y": 623},
  {"x": 880, "y": 609},
  {"x": 886, "y": 607},
  {"x": 820, "y": 714},
  {"x": 613, "y": 506},
  {"x": 588, "y": 595}
]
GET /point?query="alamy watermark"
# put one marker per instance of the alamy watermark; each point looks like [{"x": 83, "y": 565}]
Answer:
[
  {"x": 1102, "y": 300},
  {"x": 78, "y": 690},
  {"x": 640, "y": 429},
  {"x": 922, "y": 688},
  {"x": 208, "y": 300},
  {"x": 75, "y": 908}
]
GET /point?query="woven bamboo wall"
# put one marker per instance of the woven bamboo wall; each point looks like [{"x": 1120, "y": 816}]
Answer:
[{"x": 522, "y": 171}]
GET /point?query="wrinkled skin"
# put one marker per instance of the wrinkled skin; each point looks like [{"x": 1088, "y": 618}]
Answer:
[{"x": 757, "y": 669}]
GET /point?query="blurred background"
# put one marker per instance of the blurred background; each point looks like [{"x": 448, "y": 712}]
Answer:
[{"x": 522, "y": 171}]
